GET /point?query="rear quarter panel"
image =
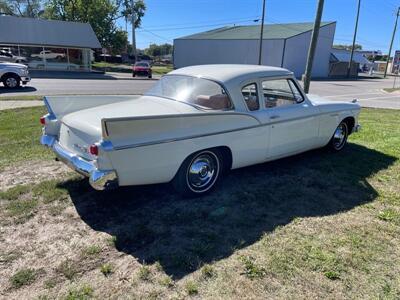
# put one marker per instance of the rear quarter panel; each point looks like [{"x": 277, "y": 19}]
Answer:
[{"x": 151, "y": 150}]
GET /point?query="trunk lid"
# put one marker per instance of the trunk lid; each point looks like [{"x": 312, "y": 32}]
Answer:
[{"x": 81, "y": 129}]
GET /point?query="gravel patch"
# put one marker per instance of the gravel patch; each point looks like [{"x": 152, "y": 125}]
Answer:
[{"x": 31, "y": 172}]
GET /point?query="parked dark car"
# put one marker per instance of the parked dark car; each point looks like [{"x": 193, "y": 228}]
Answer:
[{"x": 142, "y": 69}]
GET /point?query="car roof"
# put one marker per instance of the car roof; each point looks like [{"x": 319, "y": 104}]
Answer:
[{"x": 228, "y": 72}]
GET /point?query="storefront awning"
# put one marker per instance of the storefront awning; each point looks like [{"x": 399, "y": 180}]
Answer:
[{"x": 39, "y": 32}]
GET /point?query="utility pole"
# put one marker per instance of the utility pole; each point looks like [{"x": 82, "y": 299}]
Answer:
[
  {"x": 134, "y": 53},
  {"x": 261, "y": 33},
  {"x": 313, "y": 46},
  {"x": 354, "y": 41},
  {"x": 391, "y": 42}
]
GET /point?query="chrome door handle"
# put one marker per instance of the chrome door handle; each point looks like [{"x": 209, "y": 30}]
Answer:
[{"x": 274, "y": 117}]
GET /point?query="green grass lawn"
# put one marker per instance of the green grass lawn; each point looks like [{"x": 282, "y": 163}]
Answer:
[
  {"x": 126, "y": 68},
  {"x": 391, "y": 90},
  {"x": 316, "y": 225},
  {"x": 20, "y": 131},
  {"x": 161, "y": 70}
]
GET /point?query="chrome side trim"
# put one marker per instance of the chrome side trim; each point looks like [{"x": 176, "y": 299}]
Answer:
[
  {"x": 106, "y": 145},
  {"x": 136, "y": 145},
  {"x": 217, "y": 113},
  {"x": 182, "y": 138},
  {"x": 98, "y": 179}
]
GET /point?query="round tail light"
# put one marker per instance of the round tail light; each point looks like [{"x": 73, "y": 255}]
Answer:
[{"x": 43, "y": 120}]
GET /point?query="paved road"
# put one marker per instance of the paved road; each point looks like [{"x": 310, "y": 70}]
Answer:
[
  {"x": 367, "y": 91},
  {"x": 41, "y": 86}
]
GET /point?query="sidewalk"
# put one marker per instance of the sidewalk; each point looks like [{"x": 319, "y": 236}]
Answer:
[
  {"x": 85, "y": 75},
  {"x": 17, "y": 104}
]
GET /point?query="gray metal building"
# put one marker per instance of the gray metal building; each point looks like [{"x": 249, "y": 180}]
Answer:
[
  {"x": 48, "y": 44},
  {"x": 284, "y": 45}
]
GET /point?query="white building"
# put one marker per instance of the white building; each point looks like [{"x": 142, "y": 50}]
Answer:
[
  {"x": 284, "y": 45},
  {"x": 48, "y": 44}
]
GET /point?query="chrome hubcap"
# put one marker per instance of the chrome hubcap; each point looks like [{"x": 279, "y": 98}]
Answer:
[
  {"x": 203, "y": 172},
  {"x": 339, "y": 138},
  {"x": 11, "y": 82}
]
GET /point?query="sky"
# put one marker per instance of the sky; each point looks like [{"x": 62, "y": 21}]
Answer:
[{"x": 168, "y": 19}]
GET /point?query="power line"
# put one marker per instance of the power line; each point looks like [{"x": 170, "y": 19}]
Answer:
[
  {"x": 202, "y": 26},
  {"x": 203, "y": 22},
  {"x": 157, "y": 35}
]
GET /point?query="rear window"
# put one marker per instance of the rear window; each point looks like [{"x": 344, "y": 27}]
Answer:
[{"x": 200, "y": 92}]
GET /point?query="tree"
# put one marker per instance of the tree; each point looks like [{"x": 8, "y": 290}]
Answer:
[
  {"x": 100, "y": 14},
  {"x": 348, "y": 47},
  {"x": 158, "y": 50},
  {"x": 119, "y": 41},
  {"x": 126, "y": 11},
  {"x": 22, "y": 8}
]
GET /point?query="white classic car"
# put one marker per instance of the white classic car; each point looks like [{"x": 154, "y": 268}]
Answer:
[{"x": 192, "y": 125}]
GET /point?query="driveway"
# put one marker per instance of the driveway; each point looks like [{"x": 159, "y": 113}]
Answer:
[{"x": 368, "y": 92}]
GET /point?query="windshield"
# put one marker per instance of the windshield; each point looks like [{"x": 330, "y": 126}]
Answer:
[
  {"x": 200, "y": 92},
  {"x": 141, "y": 65}
]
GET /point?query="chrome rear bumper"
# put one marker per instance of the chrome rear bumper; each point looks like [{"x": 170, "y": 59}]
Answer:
[{"x": 98, "y": 179}]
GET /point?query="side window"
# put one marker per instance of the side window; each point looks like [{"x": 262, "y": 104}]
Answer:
[
  {"x": 250, "y": 96},
  {"x": 280, "y": 92},
  {"x": 298, "y": 96}
]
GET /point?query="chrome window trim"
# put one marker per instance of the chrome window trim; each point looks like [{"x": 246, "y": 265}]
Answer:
[
  {"x": 287, "y": 79},
  {"x": 298, "y": 89},
  {"x": 258, "y": 96}
]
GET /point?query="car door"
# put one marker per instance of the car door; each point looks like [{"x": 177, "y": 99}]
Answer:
[
  {"x": 292, "y": 118},
  {"x": 252, "y": 99}
]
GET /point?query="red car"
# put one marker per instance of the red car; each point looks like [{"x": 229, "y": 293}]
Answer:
[{"x": 141, "y": 69}]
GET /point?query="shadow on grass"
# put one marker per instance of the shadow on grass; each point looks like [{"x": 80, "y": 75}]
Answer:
[{"x": 152, "y": 223}]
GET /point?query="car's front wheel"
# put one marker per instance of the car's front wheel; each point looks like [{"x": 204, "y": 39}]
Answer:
[
  {"x": 199, "y": 173},
  {"x": 339, "y": 138},
  {"x": 11, "y": 81}
]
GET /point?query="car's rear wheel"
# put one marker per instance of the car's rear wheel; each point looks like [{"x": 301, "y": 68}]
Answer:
[
  {"x": 199, "y": 173},
  {"x": 11, "y": 81},
  {"x": 339, "y": 138}
]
